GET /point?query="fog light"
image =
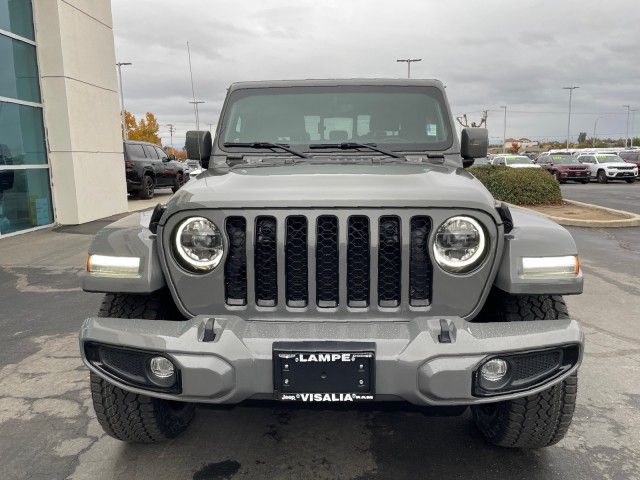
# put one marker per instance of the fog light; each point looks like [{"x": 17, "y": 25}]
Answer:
[
  {"x": 494, "y": 371},
  {"x": 161, "y": 368}
]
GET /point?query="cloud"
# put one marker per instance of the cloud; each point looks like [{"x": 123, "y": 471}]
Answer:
[{"x": 488, "y": 53}]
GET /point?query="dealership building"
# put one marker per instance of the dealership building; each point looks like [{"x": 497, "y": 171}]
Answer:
[{"x": 60, "y": 139}]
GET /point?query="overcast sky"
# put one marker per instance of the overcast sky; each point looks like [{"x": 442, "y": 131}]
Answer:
[{"x": 489, "y": 53}]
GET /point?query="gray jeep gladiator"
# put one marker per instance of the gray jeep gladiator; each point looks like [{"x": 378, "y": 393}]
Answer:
[{"x": 335, "y": 249}]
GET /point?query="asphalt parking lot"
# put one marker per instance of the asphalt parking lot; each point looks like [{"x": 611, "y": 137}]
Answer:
[
  {"x": 618, "y": 195},
  {"x": 48, "y": 429}
]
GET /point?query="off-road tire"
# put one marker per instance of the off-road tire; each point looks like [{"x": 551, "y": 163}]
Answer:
[
  {"x": 178, "y": 182},
  {"x": 602, "y": 177},
  {"x": 539, "y": 420},
  {"x": 132, "y": 417},
  {"x": 147, "y": 189}
]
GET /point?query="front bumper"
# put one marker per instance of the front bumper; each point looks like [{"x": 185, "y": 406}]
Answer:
[
  {"x": 410, "y": 361},
  {"x": 621, "y": 174}
]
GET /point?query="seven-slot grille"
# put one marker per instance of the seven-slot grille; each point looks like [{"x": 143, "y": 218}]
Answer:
[{"x": 309, "y": 249}]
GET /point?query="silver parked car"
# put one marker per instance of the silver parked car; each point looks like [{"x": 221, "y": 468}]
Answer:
[{"x": 335, "y": 250}]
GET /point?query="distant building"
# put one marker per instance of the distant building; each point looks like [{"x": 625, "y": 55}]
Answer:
[
  {"x": 524, "y": 144},
  {"x": 60, "y": 142}
]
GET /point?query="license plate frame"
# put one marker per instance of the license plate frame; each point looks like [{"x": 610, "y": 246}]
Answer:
[{"x": 324, "y": 371}]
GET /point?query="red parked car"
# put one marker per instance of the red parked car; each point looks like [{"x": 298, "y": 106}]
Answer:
[{"x": 565, "y": 167}]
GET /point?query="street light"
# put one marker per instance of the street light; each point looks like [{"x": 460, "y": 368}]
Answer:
[
  {"x": 571, "y": 89},
  {"x": 504, "y": 131},
  {"x": 595, "y": 125},
  {"x": 626, "y": 138},
  {"x": 172, "y": 128},
  {"x": 408, "y": 61},
  {"x": 633, "y": 118},
  {"x": 124, "y": 127}
]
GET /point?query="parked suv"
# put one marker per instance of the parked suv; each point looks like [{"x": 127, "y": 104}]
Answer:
[
  {"x": 631, "y": 156},
  {"x": 148, "y": 167},
  {"x": 335, "y": 251},
  {"x": 608, "y": 166},
  {"x": 514, "y": 161},
  {"x": 565, "y": 167}
]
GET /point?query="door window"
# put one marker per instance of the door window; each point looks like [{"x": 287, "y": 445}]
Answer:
[{"x": 151, "y": 152}]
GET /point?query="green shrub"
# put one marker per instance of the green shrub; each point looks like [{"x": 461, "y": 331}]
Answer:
[{"x": 520, "y": 186}]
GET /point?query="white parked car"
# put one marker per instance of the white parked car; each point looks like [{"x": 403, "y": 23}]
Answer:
[
  {"x": 514, "y": 161},
  {"x": 608, "y": 166}
]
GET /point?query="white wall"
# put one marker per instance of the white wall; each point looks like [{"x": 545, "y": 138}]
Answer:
[{"x": 76, "y": 57}]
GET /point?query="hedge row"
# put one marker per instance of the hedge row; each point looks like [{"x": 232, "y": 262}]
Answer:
[{"x": 520, "y": 186}]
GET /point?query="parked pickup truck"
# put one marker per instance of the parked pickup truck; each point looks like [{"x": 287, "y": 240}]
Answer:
[{"x": 335, "y": 250}]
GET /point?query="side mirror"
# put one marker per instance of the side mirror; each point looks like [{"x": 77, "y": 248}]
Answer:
[
  {"x": 474, "y": 143},
  {"x": 198, "y": 145}
]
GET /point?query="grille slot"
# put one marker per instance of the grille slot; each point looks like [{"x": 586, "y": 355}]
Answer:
[
  {"x": 296, "y": 261},
  {"x": 358, "y": 257},
  {"x": 235, "y": 269},
  {"x": 420, "y": 267},
  {"x": 327, "y": 261},
  {"x": 389, "y": 262},
  {"x": 266, "y": 262}
]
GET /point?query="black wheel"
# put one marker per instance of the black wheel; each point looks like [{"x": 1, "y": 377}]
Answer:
[
  {"x": 602, "y": 177},
  {"x": 148, "y": 186},
  {"x": 539, "y": 420},
  {"x": 128, "y": 416},
  {"x": 630, "y": 180},
  {"x": 584, "y": 182},
  {"x": 177, "y": 182}
]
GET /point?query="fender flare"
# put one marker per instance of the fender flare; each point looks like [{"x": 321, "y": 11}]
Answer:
[
  {"x": 127, "y": 237},
  {"x": 534, "y": 235}
]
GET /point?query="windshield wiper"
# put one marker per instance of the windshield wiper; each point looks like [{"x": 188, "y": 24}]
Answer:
[
  {"x": 269, "y": 145},
  {"x": 355, "y": 146}
]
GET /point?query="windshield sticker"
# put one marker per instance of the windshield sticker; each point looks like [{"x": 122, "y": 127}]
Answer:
[{"x": 432, "y": 130}]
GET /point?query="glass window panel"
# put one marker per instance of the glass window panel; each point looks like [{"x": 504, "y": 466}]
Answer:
[
  {"x": 19, "y": 72},
  {"x": 21, "y": 135},
  {"x": 25, "y": 199},
  {"x": 16, "y": 17}
]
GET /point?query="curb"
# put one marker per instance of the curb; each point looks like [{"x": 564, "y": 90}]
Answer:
[{"x": 632, "y": 221}]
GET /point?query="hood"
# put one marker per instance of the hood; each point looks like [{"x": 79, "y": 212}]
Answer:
[
  {"x": 573, "y": 166},
  {"x": 524, "y": 165},
  {"x": 336, "y": 185},
  {"x": 618, "y": 165}
]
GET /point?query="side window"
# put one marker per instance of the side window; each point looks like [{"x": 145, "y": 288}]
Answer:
[
  {"x": 543, "y": 160},
  {"x": 161, "y": 154},
  {"x": 151, "y": 152},
  {"x": 135, "y": 151}
]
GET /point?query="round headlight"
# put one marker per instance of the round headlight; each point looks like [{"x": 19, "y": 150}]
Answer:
[
  {"x": 460, "y": 244},
  {"x": 198, "y": 244}
]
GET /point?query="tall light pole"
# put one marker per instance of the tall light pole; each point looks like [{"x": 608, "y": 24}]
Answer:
[
  {"x": 504, "y": 130},
  {"x": 626, "y": 138},
  {"x": 571, "y": 89},
  {"x": 408, "y": 61},
  {"x": 124, "y": 126},
  {"x": 595, "y": 125},
  {"x": 172, "y": 129},
  {"x": 193, "y": 90},
  {"x": 633, "y": 118}
]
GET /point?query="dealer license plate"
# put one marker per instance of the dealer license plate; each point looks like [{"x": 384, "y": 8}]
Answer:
[{"x": 324, "y": 372}]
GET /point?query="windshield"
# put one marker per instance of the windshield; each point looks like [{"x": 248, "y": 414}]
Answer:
[
  {"x": 609, "y": 159},
  {"x": 564, "y": 159},
  {"x": 518, "y": 160},
  {"x": 394, "y": 117}
]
